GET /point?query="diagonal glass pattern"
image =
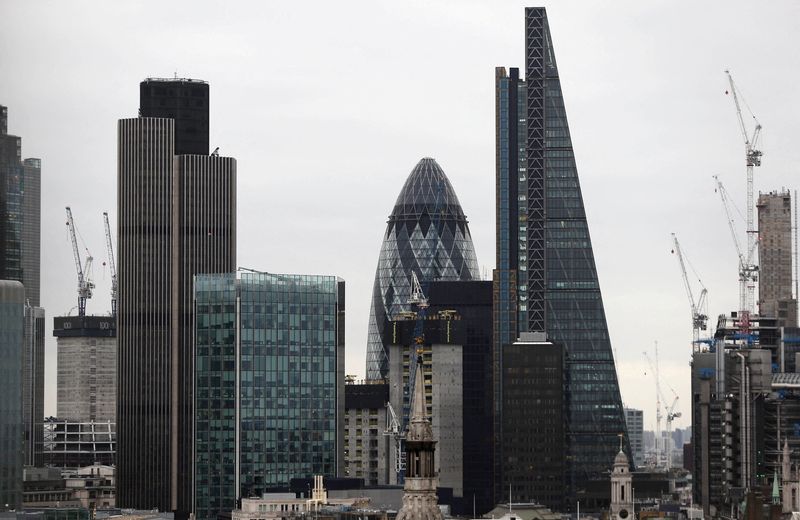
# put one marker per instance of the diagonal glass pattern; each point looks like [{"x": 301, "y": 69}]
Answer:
[{"x": 427, "y": 233}]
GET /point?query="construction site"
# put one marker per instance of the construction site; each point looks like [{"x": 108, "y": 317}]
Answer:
[
  {"x": 84, "y": 431},
  {"x": 745, "y": 378}
]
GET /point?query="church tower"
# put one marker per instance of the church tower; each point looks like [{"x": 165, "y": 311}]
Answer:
[
  {"x": 419, "y": 499},
  {"x": 621, "y": 488}
]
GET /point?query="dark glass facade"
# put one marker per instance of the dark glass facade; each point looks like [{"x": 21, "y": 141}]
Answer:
[
  {"x": 473, "y": 303},
  {"x": 269, "y": 381},
  {"x": 427, "y": 233},
  {"x": 545, "y": 263},
  {"x": 12, "y": 303},
  {"x": 186, "y": 101},
  {"x": 20, "y": 213}
]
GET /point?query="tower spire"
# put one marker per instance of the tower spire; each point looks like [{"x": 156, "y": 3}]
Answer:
[{"x": 419, "y": 499}]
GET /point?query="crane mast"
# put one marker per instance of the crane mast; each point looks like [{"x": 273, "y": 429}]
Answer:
[
  {"x": 748, "y": 271},
  {"x": 85, "y": 285},
  {"x": 752, "y": 159},
  {"x": 654, "y": 369},
  {"x": 111, "y": 264},
  {"x": 699, "y": 315}
]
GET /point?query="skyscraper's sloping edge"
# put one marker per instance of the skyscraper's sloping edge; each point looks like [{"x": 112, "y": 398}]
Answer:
[
  {"x": 443, "y": 251},
  {"x": 561, "y": 265}
]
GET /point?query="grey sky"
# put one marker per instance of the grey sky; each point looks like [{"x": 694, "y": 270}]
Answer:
[{"x": 328, "y": 105}]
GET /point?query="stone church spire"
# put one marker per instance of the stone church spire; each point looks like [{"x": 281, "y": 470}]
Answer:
[{"x": 419, "y": 499}]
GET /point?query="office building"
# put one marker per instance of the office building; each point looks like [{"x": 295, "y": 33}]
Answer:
[
  {"x": 12, "y": 320},
  {"x": 269, "y": 384},
  {"x": 775, "y": 258},
  {"x": 20, "y": 209},
  {"x": 366, "y": 445},
  {"x": 33, "y": 390},
  {"x": 427, "y": 233},
  {"x": 456, "y": 353},
  {"x": 20, "y": 245},
  {"x": 546, "y": 279},
  {"x": 533, "y": 425},
  {"x": 176, "y": 218},
  {"x": 634, "y": 420}
]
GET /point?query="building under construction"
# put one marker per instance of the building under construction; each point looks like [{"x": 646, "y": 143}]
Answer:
[{"x": 84, "y": 432}]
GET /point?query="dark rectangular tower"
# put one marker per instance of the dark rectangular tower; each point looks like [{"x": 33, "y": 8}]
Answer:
[
  {"x": 185, "y": 101},
  {"x": 546, "y": 279},
  {"x": 176, "y": 218}
]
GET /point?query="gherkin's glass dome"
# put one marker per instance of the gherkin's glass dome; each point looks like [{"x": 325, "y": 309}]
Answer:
[{"x": 427, "y": 233}]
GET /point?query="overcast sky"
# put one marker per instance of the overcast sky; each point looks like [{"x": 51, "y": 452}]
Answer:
[{"x": 327, "y": 106}]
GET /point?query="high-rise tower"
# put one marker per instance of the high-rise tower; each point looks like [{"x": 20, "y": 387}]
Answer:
[
  {"x": 775, "y": 256},
  {"x": 20, "y": 246},
  {"x": 546, "y": 279},
  {"x": 176, "y": 218},
  {"x": 427, "y": 233}
]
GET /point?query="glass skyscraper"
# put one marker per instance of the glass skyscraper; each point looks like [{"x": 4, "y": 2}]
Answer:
[
  {"x": 546, "y": 279},
  {"x": 269, "y": 383},
  {"x": 427, "y": 233}
]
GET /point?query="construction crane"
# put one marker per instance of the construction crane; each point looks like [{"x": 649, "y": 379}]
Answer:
[
  {"x": 752, "y": 159},
  {"x": 748, "y": 270},
  {"x": 111, "y": 265},
  {"x": 394, "y": 429},
  {"x": 85, "y": 285},
  {"x": 698, "y": 306},
  {"x": 654, "y": 370},
  {"x": 663, "y": 450},
  {"x": 418, "y": 298}
]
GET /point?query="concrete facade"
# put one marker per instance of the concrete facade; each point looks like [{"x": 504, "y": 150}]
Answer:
[
  {"x": 366, "y": 446},
  {"x": 441, "y": 378},
  {"x": 87, "y": 368},
  {"x": 775, "y": 258}
]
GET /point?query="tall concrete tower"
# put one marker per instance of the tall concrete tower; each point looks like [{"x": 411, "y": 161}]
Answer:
[
  {"x": 775, "y": 256},
  {"x": 176, "y": 218}
]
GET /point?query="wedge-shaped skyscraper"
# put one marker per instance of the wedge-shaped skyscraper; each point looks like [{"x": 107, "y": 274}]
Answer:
[
  {"x": 546, "y": 279},
  {"x": 427, "y": 234}
]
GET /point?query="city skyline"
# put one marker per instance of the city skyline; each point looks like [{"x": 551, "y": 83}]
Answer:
[{"x": 680, "y": 130}]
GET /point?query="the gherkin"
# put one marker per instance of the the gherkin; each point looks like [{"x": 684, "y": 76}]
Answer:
[{"x": 427, "y": 233}]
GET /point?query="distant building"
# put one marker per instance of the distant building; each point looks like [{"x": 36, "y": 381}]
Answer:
[
  {"x": 269, "y": 384},
  {"x": 634, "y": 419},
  {"x": 176, "y": 218},
  {"x": 366, "y": 444},
  {"x": 12, "y": 320},
  {"x": 775, "y": 258},
  {"x": 20, "y": 250},
  {"x": 20, "y": 213},
  {"x": 33, "y": 389},
  {"x": 281, "y": 506},
  {"x": 428, "y": 234},
  {"x": 90, "y": 487}
]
